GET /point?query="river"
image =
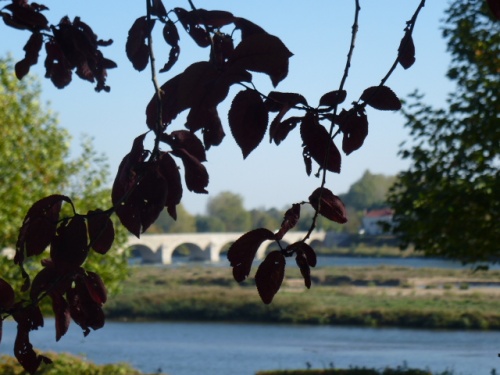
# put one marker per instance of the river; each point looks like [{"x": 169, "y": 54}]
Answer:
[
  {"x": 243, "y": 349},
  {"x": 348, "y": 261}
]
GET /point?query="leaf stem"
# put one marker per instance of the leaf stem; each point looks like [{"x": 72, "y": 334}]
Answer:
[{"x": 154, "y": 78}]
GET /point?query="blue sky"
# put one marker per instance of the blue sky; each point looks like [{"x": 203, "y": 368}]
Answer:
[{"x": 317, "y": 32}]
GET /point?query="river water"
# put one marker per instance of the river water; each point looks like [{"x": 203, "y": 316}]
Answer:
[
  {"x": 243, "y": 349},
  {"x": 348, "y": 261}
]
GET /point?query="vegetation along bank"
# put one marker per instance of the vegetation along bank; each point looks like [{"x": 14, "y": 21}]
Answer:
[{"x": 376, "y": 297}]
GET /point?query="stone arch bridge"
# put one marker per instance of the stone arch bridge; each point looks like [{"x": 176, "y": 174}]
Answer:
[{"x": 159, "y": 248}]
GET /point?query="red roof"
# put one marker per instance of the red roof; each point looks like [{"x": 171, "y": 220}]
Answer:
[{"x": 380, "y": 213}]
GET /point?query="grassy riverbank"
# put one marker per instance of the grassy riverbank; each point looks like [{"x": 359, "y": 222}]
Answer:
[
  {"x": 64, "y": 364},
  {"x": 382, "y": 296},
  {"x": 356, "y": 371}
]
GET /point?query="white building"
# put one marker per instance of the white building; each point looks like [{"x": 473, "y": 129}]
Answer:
[{"x": 372, "y": 221}]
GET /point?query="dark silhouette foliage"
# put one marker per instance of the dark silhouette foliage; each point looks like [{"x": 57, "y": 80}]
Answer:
[
  {"x": 447, "y": 202},
  {"x": 149, "y": 180}
]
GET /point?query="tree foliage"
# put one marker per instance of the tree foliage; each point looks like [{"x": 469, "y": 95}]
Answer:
[
  {"x": 185, "y": 223},
  {"x": 34, "y": 159},
  {"x": 33, "y": 151},
  {"x": 448, "y": 202},
  {"x": 149, "y": 180},
  {"x": 370, "y": 191},
  {"x": 228, "y": 208}
]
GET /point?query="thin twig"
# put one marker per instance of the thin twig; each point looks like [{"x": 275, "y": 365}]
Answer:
[
  {"x": 408, "y": 31},
  {"x": 154, "y": 78},
  {"x": 355, "y": 28}
]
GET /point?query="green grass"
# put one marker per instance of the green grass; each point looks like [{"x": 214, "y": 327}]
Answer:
[
  {"x": 201, "y": 294},
  {"x": 64, "y": 364}
]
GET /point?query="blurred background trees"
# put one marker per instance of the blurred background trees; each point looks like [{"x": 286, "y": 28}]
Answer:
[
  {"x": 35, "y": 162},
  {"x": 448, "y": 202}
]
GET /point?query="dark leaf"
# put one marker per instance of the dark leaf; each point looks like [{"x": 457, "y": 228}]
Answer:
[
  {"x": 26, "y": 16},
  {"x": 243, "y": 250},
  {"x": 158, "y": 9},
  {"x": 195, "y": 174},
  {"x": 127, "y": 176},
  {"x": 57, "y": 66},
  {"x": 248, "y": 120},
  {"x": 9, "y": 21},
  {"x": 223, "y": 47},
  {"x": 307, "y": 160},
  {"x": 170, "y": 172},
  {"x": 269, "y": 276},
  {"x": 213, "y": 18},
  {"x": 28, "y": 319},
  {"x": 290, "y": 219},
  {"x": 186, "y": 140},
  {"x": 7, "y": 296},
  {"x": 319, "y": 144},
  {"x": 95, "y": 287},
  {"x": 101, "y": 231},
  {"x": 191, "y": 22},
  {"x": 328, "y": 205},
  {"x": 83, "y": 309},
  {"x": 278, "y": 131},
  {"x": 213, "y": 133},
  {"x": 170, "y": 34},
  {"x": 307, "y": 252},
  {"x": 212, "y": 89},
  {"x": 184, "y": 16},
  {"x": 277, "y": 101},
  {"x": 145, "y": 202},
  {"x": 333, "y": 98},
  {"x": 136, "y": 47},
  {"x": 125, "y": 185},
  {"x": 200, "y": 86},
  {"x": 78, "y": 45},
  {"x": 49, "y": 279},
  {"x": 39, "y": 226},
  {"x": 32, "y": 49},
  {"x": 247, "y": 27},
  {"x": 305, "y": 271},
  {"x": 262, "y": 53},
  {"x": 68, "y": 249},
  {"x": 381, "y": 97},
  {"x": 354, "y": 126},
  {"x": 172, "y": 59},
  {"x": 200, "y": 36},
  {"x": 406, "y": 51},
  {"x": 61, "y": 314}
]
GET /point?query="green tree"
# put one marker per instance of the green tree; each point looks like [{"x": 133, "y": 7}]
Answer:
[
  {"x": 271, "y": 218},
  {"x": 448, "y": 202},
  {"x": 370, "y": 191},
  {"x": 185, "y": 223},
  {"x": 32, "y": 151},
  {"x": 34, "y": 160},
  {"x": 206, "y": 223},
  {"x": 228, "y": 208}
]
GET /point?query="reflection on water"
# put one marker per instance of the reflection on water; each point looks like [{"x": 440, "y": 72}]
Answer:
[{"x": 243, "y": 349}]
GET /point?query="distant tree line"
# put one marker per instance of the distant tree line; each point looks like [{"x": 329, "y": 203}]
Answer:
[{"x": 225, "y": 212}]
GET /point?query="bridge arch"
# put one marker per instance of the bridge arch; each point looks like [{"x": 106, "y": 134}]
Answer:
[
  {"x": 145, "y": 253},
  {"x": 189, "y": 251},
  {"x": 210, "y": 245}
]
